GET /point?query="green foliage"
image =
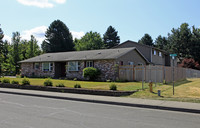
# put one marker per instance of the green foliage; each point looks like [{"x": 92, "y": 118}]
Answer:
[
  {"x": 108, "y": 80},
  {"x": 110, "y": 38},
  {"x": 91, "y": 73},
  {"x": 146, "y": 39},
  {"x": 90, "y": 41},
  {"x": 25, "y": 81},
  {"x": 60, "y": 85},
  {"x": 32, "y": 48},
  {"x": 162, "y": 43},
  {"x": 58, "y": 38},
  {"x": 113, "y": 87},
  {"x": 77, "y": 86},
  {"x": 15, "y": 82},
  {"x": 45, "y": 47},
  {"x": 48, "y": 82},
  {"x": 6, "y": 80}
]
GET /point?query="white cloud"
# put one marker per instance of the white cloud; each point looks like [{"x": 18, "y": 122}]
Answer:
[
  {"x": 39, "y": 34},
  {"x": 60, "y": 1},
  {"x": 77, "y": 35},
  {"x": 6, "y": 37},
  {"x": 41, "y": 3}
]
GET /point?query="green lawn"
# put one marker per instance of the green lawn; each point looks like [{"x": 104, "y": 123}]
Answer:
[
  {"x": 125, "y": 86},
  {"x": 186, "y": 90}
]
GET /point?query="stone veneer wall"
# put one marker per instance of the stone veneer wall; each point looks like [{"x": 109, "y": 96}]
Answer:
[
  {"x": 76, "y": 74},
  {"x": 27, "y": 69},
  {"x": 106, "y": 67}
]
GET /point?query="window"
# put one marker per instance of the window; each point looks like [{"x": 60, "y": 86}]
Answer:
[
  {"x": 47, "y": 66},
  {"x": 140, "y": 64},
  {"x": 89, "y": 63},
  {"x": 160, "y": 54},
  {"x": 73, "y": 66},
  {"x": 130, "y": 63},
  {"x": 36, "y": 65},
  {"x": 154, "y": 52},
  {"x": 121, "y": 63}
]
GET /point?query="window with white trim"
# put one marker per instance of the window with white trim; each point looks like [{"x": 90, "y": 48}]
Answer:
[
  {"x": 130, "y": 63},
  {"x": 89, "y": 64},
  {"x": 154, "y": 52},
  {"x": 73, "y": 66},
  {"x": 47, "y": 66},
  {"x": 160, "y": 54}
]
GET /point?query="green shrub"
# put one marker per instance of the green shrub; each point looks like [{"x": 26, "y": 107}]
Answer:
[
  {"x": 48, "y": 82},
  {"x": 113, "y": 87},
  {"x": 77, "y": 86},
  {"x": 6, "y": 80},
  {"x": 15, "y": 82},
  {"x": 25, "y": 81},
  {"x": 108, "y": 80},
  {"x": 60, "y": 85},
  {"x": 75, "y": 79},
  {"x": 91, "y": 73}
]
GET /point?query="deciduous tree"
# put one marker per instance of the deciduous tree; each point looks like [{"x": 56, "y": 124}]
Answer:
[{"x": 90, "y": 41}]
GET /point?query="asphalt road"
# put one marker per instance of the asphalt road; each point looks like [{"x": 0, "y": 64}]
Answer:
[{"x": 34, "y": 112}]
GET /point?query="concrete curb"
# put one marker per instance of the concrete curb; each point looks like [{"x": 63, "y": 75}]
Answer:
[
  {"x": 68, "y": 90},
  {"x": 196, "y": 111}
]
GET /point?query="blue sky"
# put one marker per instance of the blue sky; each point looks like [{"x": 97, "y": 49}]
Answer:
[{"x": 131, "y": 18}]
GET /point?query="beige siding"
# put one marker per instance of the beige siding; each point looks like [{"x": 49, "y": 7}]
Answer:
[
  {"x": 132, "y": 56},
  {"x": 158, "y": 60},
  {"x": 145, "y": 50}
]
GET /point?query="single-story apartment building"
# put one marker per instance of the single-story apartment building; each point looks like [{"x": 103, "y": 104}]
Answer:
[{"x": 71, "y": 64}]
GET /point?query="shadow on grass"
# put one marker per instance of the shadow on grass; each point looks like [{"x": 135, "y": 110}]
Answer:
[{"x": 181, "y": 82}]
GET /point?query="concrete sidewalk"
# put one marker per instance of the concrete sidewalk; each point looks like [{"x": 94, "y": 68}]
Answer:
[{"x": 132, "y": 102}]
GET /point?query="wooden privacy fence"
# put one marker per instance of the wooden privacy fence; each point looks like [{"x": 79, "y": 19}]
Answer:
[{"x": 155, "y": 73}]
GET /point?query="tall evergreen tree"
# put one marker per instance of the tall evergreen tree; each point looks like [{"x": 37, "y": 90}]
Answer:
[
  {"x": 16, "y": 51},
  {"x": 33, "y": 49},
  {"x": 1, "y": 48},
  {"x": 58, "y": 37},
  {"x": 194, "y": 48},
  {"x": 161, "y": 43},
  {"x": 110, "y": 38},
  {"x": 146, "y": 39},
  {"x": 45, "y": 47},
  {"x": 180, "y": 41},
  {"x": 90, "y": 41}
]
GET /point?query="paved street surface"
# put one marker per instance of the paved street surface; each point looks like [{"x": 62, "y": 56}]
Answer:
[{"x": 35, "y": 112}]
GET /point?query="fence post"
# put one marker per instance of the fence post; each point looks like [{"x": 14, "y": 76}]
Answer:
[
  {"x": 155, "y": 75},
  {"x": 134, "y": 73},
  {"x": 142, "y": 77}
]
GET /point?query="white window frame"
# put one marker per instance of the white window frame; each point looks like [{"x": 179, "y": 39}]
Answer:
[
  {"x": 130, "y": 63},
  {"x": 50, "y": 68},
  {"x": 160, "y": 54},
  {"x": 77, "y": 65},
  {"x": 89, "y": 64},
  {"x": 154, "y": 52}
]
